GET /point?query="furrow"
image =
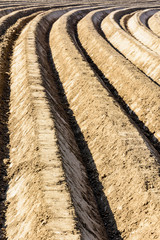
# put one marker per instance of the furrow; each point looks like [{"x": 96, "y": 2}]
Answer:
[
  {"x": 140, "y": 94},
  {"x": 10, "y": 19},
  {"x": 13, "y": 25},
  {"x": 141, "y": 31},
  {"x": 89, "y": 221},
  {"x": 145, "y": 59},
  {"x": 153, "y": 23},
  {"x": 46, "y": 167},
  {"x": 9, "y": 5},
  {"x": 146, "y": 14},
  {"x": 5, "y": 54},
  {"x": 7, "y": 10},
  {"x": 126, "y": 167}
]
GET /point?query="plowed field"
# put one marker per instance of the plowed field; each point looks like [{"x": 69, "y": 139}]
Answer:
[{"x": 79, "y": 120}]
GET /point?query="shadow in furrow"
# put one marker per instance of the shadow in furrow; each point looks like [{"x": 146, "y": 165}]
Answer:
[
  {"x": 148, "y": 136},
  {"x": 88, "y": 162},
  {"x": 104, "y": 14},
  {"x": 4, "y": 156}
]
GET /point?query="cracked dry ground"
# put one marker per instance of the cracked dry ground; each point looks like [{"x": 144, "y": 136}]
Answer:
[{"x": 79, "y": 120}]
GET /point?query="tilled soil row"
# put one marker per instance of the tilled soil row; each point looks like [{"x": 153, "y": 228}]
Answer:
[
  {"x": 153, "y": 23},
  {"x": 3, "y": 5},
  {"x": 137, "y": 91},
  {"x": 116, "y": 2},
  {"x": 46, "y": 167},
  {"x": 8, "y": 10},
  {"x": 145, "y": 59},
  {"x": 96, "y": 19},
  {"x": 5, "y": 54},
  {"x": 127, "y": 169},
  {"x": 142, "y": 33},
  {"x": 26, "y": 172},
  {"x": 146, "y": 14},
  {"x": 82, "y": 197},
  {"x": 14, "y": 26},
  {"x": 10, "y": 19}
]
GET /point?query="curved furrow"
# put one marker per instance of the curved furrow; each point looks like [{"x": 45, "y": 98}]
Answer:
[
  {"x": 79, "y": 122},
  {"x": 9, "y": 24},
  {"x": 8, "y": 10},
  {"x": 89, "y": 221},
  {"x": 145, "y": 59},
  {"x": 47, "y": 165},
  {"x": 140, "y": 94},
  {"x": 9, "y": 19},
  {"x": 146, "y": 14},
  {"x": 125, "y": 165},
  {"x": 141, "y": 31},
  {"x": 124, "y": 19},
  {"x": 5, "y": 54},
  {"x": 9, "y": 5},
  {"x": 32, "y": 222},
  {"x": 154, "y": 23}
]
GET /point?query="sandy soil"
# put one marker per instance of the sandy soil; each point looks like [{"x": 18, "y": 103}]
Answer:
[{"x": 79, "y": 122}]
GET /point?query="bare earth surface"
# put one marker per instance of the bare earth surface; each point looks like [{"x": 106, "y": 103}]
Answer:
[{"x": 79, "y": 120}]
